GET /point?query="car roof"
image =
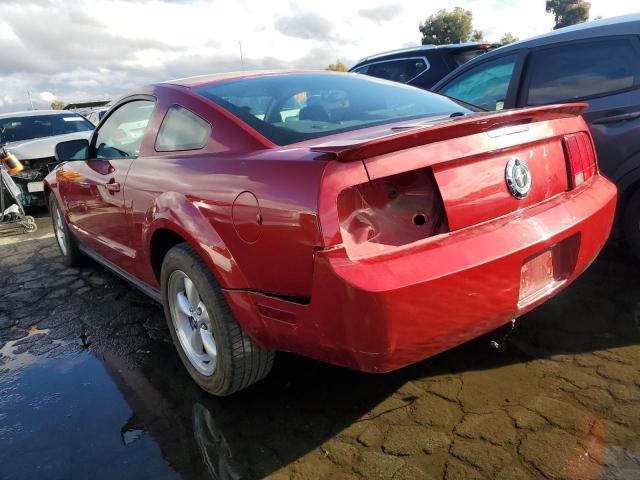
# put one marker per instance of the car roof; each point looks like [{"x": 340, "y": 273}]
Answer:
[
  {"x": 219, "y": 77},
  {"x": 420, "y": 50},
  {"x": 34, "y": 113},
  {"x": 622, "y": 25}
]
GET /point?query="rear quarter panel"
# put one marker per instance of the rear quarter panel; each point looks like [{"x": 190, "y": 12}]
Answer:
[{"x": 193, "y": 193}]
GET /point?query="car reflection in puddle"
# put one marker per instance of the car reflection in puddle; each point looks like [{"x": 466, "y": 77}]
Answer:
[
  {"x": 140, "y": 416},
  {"x": 57, "y": 422}
]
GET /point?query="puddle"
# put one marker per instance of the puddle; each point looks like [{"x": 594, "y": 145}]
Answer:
[
  {"x": 61, "y": 419},
  {"x": 105, "y": 416}
]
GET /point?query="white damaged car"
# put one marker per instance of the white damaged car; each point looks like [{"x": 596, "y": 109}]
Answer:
[{"x": 32, "y": 137}]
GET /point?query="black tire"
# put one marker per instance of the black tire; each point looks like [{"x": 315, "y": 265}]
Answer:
[
  {"x": 71, "y": 254},
  {"x": 240, "y": 361},
  {"x": 631, "y": 224}
]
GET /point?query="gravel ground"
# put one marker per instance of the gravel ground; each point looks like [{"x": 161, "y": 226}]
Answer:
[{"x": 90, "y": 382}]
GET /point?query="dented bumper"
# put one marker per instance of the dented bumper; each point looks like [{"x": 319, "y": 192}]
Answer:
[{"x": 382, "y": 313}]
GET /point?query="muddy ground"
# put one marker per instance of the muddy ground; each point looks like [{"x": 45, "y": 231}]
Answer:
[{"x": 90, "y": 387}]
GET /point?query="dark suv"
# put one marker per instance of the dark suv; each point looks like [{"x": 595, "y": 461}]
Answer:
[
  {"x": 420, "y": 66},
  {"x": 596, "y": 62}
]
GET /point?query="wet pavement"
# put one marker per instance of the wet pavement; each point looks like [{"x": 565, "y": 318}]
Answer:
[{"x": 90, "y": 387}]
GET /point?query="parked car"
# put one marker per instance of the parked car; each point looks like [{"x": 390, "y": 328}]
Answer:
[
  {"x": 94, "y": 116},
  {"x": 357, "y": 221},
  {"x": 92, "y": 110},
  {"x": 596, "y": 62},
  {"x": 32, "y": 137},
  {"x": 420, "y": 66}
]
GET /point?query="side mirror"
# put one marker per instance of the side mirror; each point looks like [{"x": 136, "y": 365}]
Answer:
[{"x": 72, "y": 150}]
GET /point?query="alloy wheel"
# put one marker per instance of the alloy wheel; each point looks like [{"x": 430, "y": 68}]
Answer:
[
  {"x": 192, "y": 324},
  {"x": 58, "y": 226}
]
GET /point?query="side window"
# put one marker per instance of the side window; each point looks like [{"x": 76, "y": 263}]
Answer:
[
  {"x": 364, "y": 69},
  {"x": 485, "y": 85},
  {"x": 182, "y": 130},
  {"x": 121, "y": 134},
  {"x": 401, "y": 70},
  {"x": 582, "y": 70}
]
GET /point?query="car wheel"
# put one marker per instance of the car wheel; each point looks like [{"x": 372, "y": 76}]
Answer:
[
  {"x": 71, "y": 254},
  {"x": 631, "y": 224},
  {"x": 212, "y": 345}
]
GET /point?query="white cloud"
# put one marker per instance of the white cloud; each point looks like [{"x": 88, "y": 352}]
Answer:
[
  {"x": 102, "y": 48},
  {"x": 47, "y": 97}
]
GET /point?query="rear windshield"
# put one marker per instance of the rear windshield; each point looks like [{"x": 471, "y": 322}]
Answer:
[
  {"x": 14, "y": 129},
  {"x": 297, "y": 107}
]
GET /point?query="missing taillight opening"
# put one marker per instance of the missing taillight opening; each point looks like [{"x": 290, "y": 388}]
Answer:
[
  {"x": 581, "y": 157},
  {"x": 419, "y": 219},
  {"x": 390, "y": 212}
]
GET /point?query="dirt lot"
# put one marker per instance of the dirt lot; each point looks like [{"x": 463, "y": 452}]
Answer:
[{"x": 91, "y": 388}]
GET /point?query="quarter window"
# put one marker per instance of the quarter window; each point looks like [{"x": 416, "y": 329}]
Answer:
[
  {"x": 182, "y": 130},
  {"x": 485, "y": 85},
  {"x": 121, "y": 133},
  {"x": 582, "y": 70}
]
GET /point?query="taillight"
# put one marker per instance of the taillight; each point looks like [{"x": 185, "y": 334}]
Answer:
[
  {"x": 390, "y": 212},
  {"x": 581, "y": 157}
]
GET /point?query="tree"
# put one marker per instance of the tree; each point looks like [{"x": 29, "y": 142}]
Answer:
[
  {"x": 568, "y": 12},
  {"x": 448, "y": 27},
  {"x": 507, "y": 38},
  {"x": 57, "y": 105},
  {"x": 337, "y": 67},
  {"x": 477, "y": 36}
]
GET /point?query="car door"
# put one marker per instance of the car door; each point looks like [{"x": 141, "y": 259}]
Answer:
[
  {"x": 605, "y": 72},
  {"x": 491, "y": 84},
  {"x": 94, "y": 197}
]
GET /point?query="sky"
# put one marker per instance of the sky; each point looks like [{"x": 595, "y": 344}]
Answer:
[{"x": 75, "y": 50}]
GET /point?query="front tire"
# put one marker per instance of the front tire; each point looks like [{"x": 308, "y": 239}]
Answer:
[
  {"x": 71, "y": 254},
  {"x": 216, "y": 351}
]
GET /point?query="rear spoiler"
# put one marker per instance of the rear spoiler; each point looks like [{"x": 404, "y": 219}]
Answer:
[{"x": 350, "y": 149}]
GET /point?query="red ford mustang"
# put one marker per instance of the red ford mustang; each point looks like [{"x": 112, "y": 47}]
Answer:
[{"x": 360, "y": 222}]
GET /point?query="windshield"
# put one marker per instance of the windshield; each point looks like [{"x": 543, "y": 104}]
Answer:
[
  {"x": 14, "y": 129},
  {"x": 296, "y": 107}
]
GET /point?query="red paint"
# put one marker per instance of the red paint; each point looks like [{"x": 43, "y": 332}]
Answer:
[{"x": 269, "y": 223}]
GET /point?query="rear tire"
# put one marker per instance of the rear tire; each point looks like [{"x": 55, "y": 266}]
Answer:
[
  {"x": 216, "y": 351},
  {"x": 71, "y": 254},
  {"x": 631, "y": 224}
]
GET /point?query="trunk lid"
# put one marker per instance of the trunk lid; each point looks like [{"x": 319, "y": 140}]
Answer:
[{"x": 471, "y": 158}]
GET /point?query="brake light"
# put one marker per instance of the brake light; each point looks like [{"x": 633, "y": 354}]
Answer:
[
  {"x": 581, "y": 157},
  {"x": 390, "y": 212}
]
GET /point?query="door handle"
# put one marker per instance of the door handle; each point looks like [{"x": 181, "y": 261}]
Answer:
[
  {"x": 625, "y": 117},
  {"x": 112, "y": 186}
]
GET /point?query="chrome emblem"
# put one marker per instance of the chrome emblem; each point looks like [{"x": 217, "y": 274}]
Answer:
[{"x": 518, "y": 177}]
